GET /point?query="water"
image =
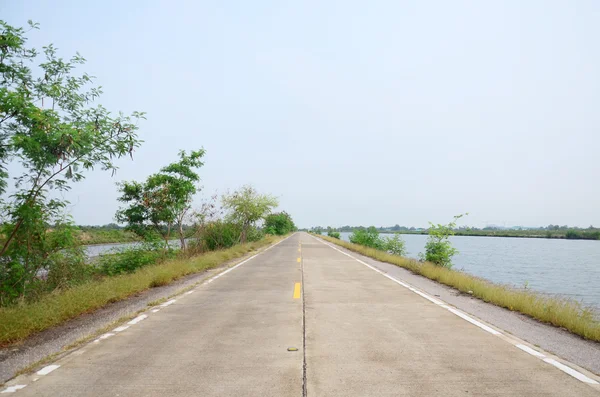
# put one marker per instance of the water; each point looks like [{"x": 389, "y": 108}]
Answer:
[
  {"x": 101, "y": 249},
  {"x": 569, "y": 268}
]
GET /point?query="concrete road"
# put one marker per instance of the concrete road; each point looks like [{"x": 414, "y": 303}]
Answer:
[{"x": 364, "y": 335}]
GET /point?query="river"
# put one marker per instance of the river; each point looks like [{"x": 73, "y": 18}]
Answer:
[
  {"x": 101, "y": 249},
  {"x": 568, "y": 268}
]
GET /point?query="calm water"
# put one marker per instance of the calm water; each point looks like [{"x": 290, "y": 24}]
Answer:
[
  {"x": 101, "y": 249},
  {"x": 568, "y": 268}
]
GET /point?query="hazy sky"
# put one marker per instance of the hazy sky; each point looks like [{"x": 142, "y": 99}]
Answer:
[{"x": 351, "y": 112}]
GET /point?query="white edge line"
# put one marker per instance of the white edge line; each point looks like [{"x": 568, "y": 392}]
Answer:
[
  {"x": 138, "y": 319},
  {"x": 531, "y": 351},
  {"x": 168, "y": 303},
  {"x": 473, "y": 321},
  {"x": 576, "y": 374},
  {"x": 570, "y": 371},
  {"x": 121, "y": 328},
  {"x": 47, "y": 369},
  {"x": 12, "y": 389}
]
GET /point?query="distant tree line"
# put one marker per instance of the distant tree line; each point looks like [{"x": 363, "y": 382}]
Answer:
[{"x": 550, "y": 231}]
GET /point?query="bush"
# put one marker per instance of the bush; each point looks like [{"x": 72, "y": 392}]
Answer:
[
  {"x": 439, "y": 249},
  {"x": 39, "y": 259},
  {"x": 132, "y": 259},
  {"x": 370, "y": 238},
  {"x": 394, "y": 245},
  {"x": 367, "y": 237},
  {"x": 333, "y": 234},
  {"x": 217, "y": 235},
  {"x": 254, "y": 234},
  {"x": 68, "y": 269},
  {"x": 279, "y": 224}
]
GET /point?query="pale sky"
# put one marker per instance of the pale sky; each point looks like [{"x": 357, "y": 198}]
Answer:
[{"x": 351, "y": 112}]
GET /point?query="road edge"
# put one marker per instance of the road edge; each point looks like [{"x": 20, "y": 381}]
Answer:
[
  {"x": 46, "y": 364},
  {"x": 560, "y": 363}
]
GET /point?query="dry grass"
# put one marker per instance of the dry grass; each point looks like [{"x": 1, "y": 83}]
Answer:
[
  {"x": 19, "y": 322},
  {"x": 564, "y": 313}
]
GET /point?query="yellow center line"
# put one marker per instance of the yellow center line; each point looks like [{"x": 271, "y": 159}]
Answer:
[
  {"x": 297, "y": 290},
  {"x": 298, "y": 260}
]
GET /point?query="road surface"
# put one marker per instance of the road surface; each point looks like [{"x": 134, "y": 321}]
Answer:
[{"x": 302, "y": 318}]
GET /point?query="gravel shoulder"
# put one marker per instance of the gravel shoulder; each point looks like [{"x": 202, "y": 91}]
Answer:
[
  {"x": 56, "y": 340},
  {"x": 555, "y": 340}
]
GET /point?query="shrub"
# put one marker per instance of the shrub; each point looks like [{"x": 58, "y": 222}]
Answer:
[
  {"x": 132, "y": 259},
  {"x": 439, "y": 249},
  {"x": 218, "y": 235},
  {"x": 68, "y": 268},
  {"x": 394, "y": 245},
  {"x": 333, "y": 234},
  {"x": 367, "y": 237},
  {"x": 39, "y": 259},
  {"x": 370, "y": 238},
  {"x": 279, "y": 223},
  {"x": 254, "y": 234}
]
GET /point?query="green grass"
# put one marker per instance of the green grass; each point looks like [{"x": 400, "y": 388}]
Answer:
[
  {"x": 564, "y": 313},
  {"x": 20, "y": 322},
  {"x": 89, "y": 236}
]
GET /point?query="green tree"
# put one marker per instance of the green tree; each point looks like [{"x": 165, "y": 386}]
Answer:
[
  {"x": 279, "y": 223},
  {"x": 246, "y": 207},
  {"x": 163, "y": 201},
  {"x": 439, "y": 249},
  {"x": 47, "y": 123}
]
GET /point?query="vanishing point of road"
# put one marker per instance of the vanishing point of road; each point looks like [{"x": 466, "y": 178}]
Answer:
[{"x": 303, "y": 318}]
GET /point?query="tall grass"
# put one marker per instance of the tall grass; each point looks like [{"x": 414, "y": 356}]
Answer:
[
  {"x": 19, "y": 322},
  {"x": 564, "y": 313}
]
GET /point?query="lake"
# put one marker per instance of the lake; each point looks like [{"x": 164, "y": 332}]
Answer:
[
  {"x": 101, "y": 249},
  {"x": 569, "y": 268}
]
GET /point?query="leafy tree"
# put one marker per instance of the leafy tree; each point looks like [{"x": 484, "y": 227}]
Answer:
[
  {"x": 49, "y": 126},
  {"x": 439, "y": 249},
  {"x": 279, "y": 223},
  {"x": 246, "y": 207},
  {"x": 163, "y": 200}
]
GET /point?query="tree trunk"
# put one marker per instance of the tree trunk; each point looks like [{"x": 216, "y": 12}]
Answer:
[
  {"x": 181, "y": 236},
  {"x": 244, "y": 231},
  {"x": 167, "y": 237}
]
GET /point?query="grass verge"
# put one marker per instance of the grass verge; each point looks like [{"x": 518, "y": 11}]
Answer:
[
  {"x": 564, "y": 313},
  {"x": 19, "y": 322}
]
